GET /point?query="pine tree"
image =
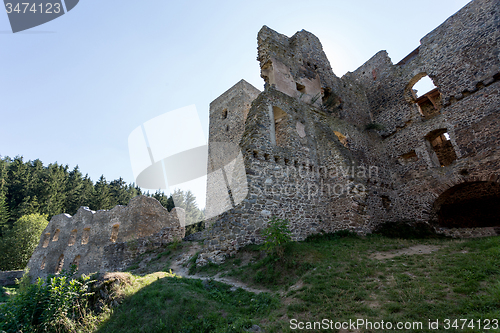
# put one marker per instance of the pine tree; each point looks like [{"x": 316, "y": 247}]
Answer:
[
  {"x": 4, "y": 214},
  {"x": 102, "y": 196},
  {"x": 54, "y": 193},
  {"x": 18, "y": 182},
  {"x": 74, "y": 191},
  {"x": 118, "y": 192}
]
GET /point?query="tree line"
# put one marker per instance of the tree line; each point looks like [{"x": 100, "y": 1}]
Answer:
[{"x": 36, "y": 192}]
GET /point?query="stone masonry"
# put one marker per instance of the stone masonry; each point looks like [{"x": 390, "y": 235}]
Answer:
[
  {"x": 332, "y": 153},
  {"x": 106, "y": 240}
]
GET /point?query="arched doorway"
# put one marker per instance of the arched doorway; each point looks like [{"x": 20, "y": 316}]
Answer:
[{"x": 469, "y": 205}]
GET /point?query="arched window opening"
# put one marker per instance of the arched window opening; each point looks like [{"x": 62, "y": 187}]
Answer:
[
  {"x": 72, "y": 237},
  {"x": 444, "y": 153},
  {"x": 422, "y": 91},
  {"x": 60, "y": 264},
  {"x": 300, "y": 88},
  {"x": 46, "y": 239},
  {"x": 85, "y": 236},
  {"x": 114, "y": 232},
  {"x": 280, "y": 138},
  {"x": 56, "y": 235},
  {"x": 76, "y": 261},
  {"x": 42, "y": 266}
]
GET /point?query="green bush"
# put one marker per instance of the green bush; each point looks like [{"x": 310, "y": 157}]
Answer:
[
  {"x": 18, "y": 243},
  {"x": 276, "y": 236},
  {"x": 57, "y": 304}
]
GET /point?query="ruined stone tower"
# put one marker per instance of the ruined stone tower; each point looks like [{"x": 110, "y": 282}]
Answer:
[{"x": 332, "y": 153}]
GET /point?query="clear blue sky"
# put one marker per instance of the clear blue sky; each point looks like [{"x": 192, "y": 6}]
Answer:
[{"x": 73, "y": 89}]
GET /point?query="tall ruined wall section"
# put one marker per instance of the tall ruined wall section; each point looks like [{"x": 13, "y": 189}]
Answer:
[
  {"x": 105, "y": 241},
  {"x": 298, "y": 67},
  {"x": 228, "y": 114},
  {"x": 462, "y": 58},
  {"x": 296, "y": 168},
  {"x": 310, "y": 157}
]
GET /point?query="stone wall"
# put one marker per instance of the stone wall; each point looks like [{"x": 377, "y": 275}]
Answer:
[
  {"x": 8, "y": 278},
  {"x": 105, "y": 240},
  {"x": 310, "y": 157}
]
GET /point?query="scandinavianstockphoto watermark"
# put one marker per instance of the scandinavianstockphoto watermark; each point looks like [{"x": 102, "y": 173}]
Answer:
[
  {"x": 26, "y": 14},
  {"x": 313, "y": 182}
]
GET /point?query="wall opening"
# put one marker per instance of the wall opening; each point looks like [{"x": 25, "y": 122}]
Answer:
[
  {"x": 386, "y": 202},
  {"x": 76, "y": 261},
  {"x": 72, "y": 237},
  {"x": 469, "y": 205},
  {"x": 114, "y": 233},
  {"x": 85, "y": 236},
  {"x": 46, "y": 239},
  {"x": 408, "y": 158},
  {"x": 56, "y": 235},
  {"x": 300, "y": 88},
  {"x": 60, "y": 264},
  {"x": 422, "y": 92},
  {"x": 342, "y": 138},
  {"x": 224, "y": 114},
  {"x": 280, "y": 127},
  {"x": 443, "y": 153}
]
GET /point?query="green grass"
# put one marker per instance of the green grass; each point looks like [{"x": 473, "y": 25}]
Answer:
[
  {"x": 329, "y": 276},
  {"x": 340, "y": 280},
  {"x": 187, "y": 305},
  {"x": 7, "y": 291}
]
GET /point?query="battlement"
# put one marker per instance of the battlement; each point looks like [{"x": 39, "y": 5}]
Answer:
[{"x": 310, "y": 139}]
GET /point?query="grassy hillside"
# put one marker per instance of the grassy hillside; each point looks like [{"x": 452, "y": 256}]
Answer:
[{"x": 329, "y": 277}]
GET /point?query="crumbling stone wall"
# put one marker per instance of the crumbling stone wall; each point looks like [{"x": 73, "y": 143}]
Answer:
[
  {"x": 106, "y": 240},
  {"x": 8, "y": 278},
  {"x": 309, "y": 122},
  {"x": 228, "y": 114}
]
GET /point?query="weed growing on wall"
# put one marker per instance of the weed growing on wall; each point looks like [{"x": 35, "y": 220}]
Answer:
[{"x": 277, "y": 235}]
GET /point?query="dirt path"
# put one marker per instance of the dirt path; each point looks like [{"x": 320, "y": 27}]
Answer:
[
  {"x": 179, "y": 267},
  {"x": 418, "y": 249}
]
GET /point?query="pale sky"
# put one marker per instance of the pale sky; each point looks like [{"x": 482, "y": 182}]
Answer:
[{"x": 73, "y": 89}]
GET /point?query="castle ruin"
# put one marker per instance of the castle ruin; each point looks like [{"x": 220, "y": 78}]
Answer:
[
  {"x": 106, "y": 240},
  {"x": 332, "y": 153}
]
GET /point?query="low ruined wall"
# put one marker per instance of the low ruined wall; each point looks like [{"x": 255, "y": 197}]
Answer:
[
  {"x": 8, "y": 278},
  {"x": 105, "y": 241}
]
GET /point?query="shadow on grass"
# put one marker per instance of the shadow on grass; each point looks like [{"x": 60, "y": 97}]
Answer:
[{"x": 189, "y": 305}]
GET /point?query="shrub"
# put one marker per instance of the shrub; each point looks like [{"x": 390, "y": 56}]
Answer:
[
  {"x": 276, "y": 236},
  {"x": 18, "y": 243},
  {"x": 57, "y": 304}
]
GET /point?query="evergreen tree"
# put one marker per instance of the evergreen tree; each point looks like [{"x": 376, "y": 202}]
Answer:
[
  {"x": 74, "y": 191},
  {"x": 17, "y": 186},
  {"x": 102, "y": 197},
  {"x": 88, "y": 192},
  {"x": 29, "y": 206},
  {"x": 54, "y": 192},
  {"x": 187, "y": 200},
  {"x": 118, "y": 192},
  {"x": 4, "y": 214}
]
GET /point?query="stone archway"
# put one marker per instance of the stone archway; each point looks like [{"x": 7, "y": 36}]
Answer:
[{"x": 473, "y": 204}]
